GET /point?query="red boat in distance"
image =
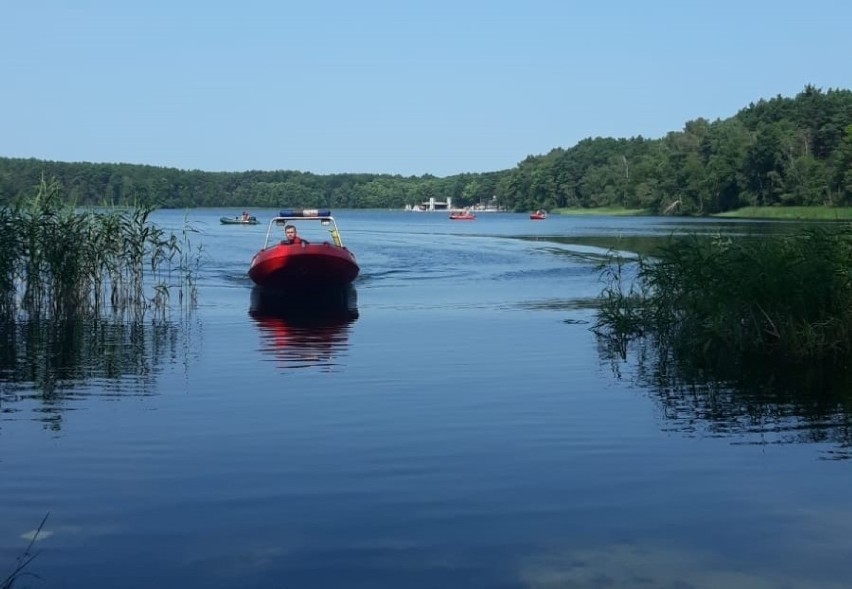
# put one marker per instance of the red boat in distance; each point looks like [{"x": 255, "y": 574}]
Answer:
[
  {"x": 307, "y": 264},
  {"x": 463, "y": 216},
  {"x": 538, "y": 215}
]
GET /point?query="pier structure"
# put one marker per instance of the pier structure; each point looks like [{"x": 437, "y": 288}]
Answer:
[{"x": 432, "y": 205}]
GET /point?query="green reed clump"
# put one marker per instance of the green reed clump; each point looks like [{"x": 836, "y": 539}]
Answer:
[
  {"x": 10, "y": 254},
  {"x": 788, "y": 296},
  {"x": 57, "y": 261}
]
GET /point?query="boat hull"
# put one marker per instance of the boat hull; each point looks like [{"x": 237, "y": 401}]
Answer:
[
  {"x": 303, "y": 266},
  {"x": 536, "y": 217},
  {"x": 463, "y": 217}
]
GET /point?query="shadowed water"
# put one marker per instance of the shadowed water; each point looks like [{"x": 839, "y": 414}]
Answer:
[{"x": 450, "y": 421}]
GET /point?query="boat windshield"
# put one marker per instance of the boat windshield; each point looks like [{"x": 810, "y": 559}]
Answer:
[{"x": 317, "y": 226}]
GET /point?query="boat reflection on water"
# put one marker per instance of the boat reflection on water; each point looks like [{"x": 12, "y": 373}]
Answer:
[{"x": 305, "y": 330}]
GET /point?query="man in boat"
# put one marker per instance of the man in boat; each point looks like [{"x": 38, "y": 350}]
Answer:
[{"x": 290, "y": 237}]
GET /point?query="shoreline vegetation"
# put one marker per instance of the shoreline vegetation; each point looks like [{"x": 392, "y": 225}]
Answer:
[
  {"x": 604, "y": 211},
  {"x": 814, "y": 213},
  {"x": 59, "y": 261},
  {"x": 705, "y": 300}
]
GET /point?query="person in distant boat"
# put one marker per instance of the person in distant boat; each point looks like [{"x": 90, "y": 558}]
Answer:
[
  {"x": 245, "y": 216},
  {"x": 290, "y": 236}
]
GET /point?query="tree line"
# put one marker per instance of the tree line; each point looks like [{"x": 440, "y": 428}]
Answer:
[{"x": 782, "y": 151}]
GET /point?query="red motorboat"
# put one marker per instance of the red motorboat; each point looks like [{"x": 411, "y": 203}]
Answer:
[
  {"x": 538, "y": 215},
  {"x": 463, "y": 216},
  {"x": 304, "y": 265}
]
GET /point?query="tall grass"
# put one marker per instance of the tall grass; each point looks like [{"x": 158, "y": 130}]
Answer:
[
  {"x": 783, "y": 296},
  {"x": 57, "y": 261}
]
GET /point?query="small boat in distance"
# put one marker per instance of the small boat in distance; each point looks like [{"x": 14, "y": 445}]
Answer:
[
  {"x": 304, "y": 266},
  {"x": 539, "y": 215},
  {"x": 244, "y": 219},
  {"x": 466, "y": 215}
]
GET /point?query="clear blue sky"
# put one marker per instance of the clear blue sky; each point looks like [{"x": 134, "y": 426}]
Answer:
[{"x": 400, "y": 87}]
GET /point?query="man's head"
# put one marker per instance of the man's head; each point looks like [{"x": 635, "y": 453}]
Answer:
[{"x": 290, "y": 232}]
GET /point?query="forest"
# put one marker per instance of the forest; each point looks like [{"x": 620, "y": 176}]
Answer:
[{"x": 775, "y": 152}]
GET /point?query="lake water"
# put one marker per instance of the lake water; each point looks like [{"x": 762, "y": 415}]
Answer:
[{"x": 464, "y": 428}]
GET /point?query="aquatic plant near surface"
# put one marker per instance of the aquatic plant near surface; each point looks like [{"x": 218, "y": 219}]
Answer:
[
  {"x": 58, "y": 261},
  {"x": 786, "y": 296},
  {"x": 22, "y": 562}
]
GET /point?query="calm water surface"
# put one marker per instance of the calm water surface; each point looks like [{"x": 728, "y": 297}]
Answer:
[{"x": 458, "y": 425}]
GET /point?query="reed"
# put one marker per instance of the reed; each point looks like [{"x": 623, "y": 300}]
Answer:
[
  {"x": 58, "y": 261},
  {"x": 22, "y": 562},
  {"x": 783, "y": 296}
]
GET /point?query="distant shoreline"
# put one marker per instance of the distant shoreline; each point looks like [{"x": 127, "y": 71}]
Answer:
[
  {"x": 608, "y": 211},
  {"x": 816, "y": 213}
]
